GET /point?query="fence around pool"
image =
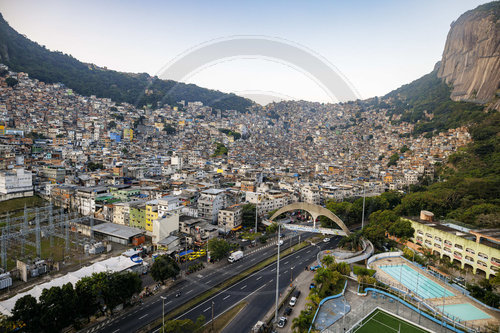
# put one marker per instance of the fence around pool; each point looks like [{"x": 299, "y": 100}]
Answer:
[{"x": 410, "y": 296}]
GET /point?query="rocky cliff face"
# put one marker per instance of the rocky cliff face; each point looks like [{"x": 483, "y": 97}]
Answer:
[{"x": 471, "y": 57}]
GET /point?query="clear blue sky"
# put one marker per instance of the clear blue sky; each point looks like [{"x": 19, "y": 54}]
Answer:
[{"x": 377, "y": 45}]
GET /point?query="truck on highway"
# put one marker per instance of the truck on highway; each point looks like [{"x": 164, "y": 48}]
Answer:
[{"x": 235, "y": 256}]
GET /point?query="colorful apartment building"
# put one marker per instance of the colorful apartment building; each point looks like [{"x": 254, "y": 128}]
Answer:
[
  {"x": 151, "y": 214},
  {"x": 137, "y": 217}
]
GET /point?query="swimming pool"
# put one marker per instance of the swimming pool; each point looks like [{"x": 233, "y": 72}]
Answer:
[
  {"x": 464, "y": 312},
  {"x": 416, "y": 282}
]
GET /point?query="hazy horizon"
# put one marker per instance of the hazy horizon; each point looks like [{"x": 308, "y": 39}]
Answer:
[{"x": 377, "y": 46}]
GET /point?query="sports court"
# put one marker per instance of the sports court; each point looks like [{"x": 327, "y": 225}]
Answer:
[
  {"x": 382, "y": 321},
  {"x": 416, "y": 282}
]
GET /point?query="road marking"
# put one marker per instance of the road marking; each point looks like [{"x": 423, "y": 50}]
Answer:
[
  {"x": 168, "y": 302},
  {"x": 271, "y": 280},
  {"x": 232, "y": 306},
  {"x": 207, "y": 309},
  {"x": 297, "y": 257},
  {"x": 189, "y": 291},
  {"x": 223, "y": 291},
  {"x": 308, "y": 251},
  {"x": 226, "y": 297},
  {"x": 272, "y": 270},
  {"x": 143, "y": 316},
  {"x": 116, "y": 330},
  {"x": 243, "y": 287},
  {"x": 257, "y": 279}
]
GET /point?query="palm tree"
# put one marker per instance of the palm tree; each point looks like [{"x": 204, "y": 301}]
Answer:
[{"x": 328, "y": 261}]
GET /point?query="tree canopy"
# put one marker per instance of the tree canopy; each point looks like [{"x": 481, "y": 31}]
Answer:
[
  {"x": 163, "y": 268},
  {"x": 219, "y": 248}
]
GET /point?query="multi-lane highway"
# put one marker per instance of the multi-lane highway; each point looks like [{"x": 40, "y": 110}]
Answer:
[
  {"x": 260, "y": 302},
  {"x": 195, "y": 284}
]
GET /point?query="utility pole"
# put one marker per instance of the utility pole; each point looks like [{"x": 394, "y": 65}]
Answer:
[
  {"x": 163, "y": 298},
  {"x": 185, "y": 253},
  {"x": 256, "y": 212},
  {"x": 277, "y": 275},
  {"x": 363, "y": 214}
]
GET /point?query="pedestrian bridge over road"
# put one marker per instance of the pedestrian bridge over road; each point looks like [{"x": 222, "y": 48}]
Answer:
[{"x": 315, "y": 211}]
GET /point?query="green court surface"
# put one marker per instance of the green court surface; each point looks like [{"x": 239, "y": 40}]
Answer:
[{"x": 381, "y": 321}]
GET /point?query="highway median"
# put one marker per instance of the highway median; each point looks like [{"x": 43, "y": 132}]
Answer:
[{"x": 213, "y": 291}]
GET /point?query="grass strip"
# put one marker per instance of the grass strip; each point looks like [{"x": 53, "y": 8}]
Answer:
[
  {"x": 209, "y": 293},
  {"x": 224, "y": 319}
]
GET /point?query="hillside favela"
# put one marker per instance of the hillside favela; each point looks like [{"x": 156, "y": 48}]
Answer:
[{"x": 254, "y": 167}]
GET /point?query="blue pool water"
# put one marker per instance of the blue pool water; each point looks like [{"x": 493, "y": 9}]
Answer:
[
  {"x": 416, "y": 282},
  {"x": 464, "y": 312}
]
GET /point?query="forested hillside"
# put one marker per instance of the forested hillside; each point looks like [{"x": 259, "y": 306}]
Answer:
[
  {"x": 426, "y": 102},
  {"x": 23, "y": 55}
]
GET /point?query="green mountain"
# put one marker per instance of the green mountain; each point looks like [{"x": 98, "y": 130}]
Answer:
[
  {"x": 449, "y": 97},
  {"x": 24, "y": 55},
  {"x": 426, "y": 102}
]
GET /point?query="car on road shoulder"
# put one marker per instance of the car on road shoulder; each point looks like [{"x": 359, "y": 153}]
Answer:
[
  {"x": 326, "y": 240},
  {"x": 287, "y": 311},
  {"x": 282, "y": 322},
  {"x": 293, "y": 301},
  {"x": 312, "y": 286},
  {"x": 279, "y": 243},
  {"x": 313, "y": 268}
]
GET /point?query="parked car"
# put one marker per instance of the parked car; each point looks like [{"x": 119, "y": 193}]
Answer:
[
  {"x": 279, "y": 243},
  {"x": 282, "y": 322},
  {"x": 287, "y": 311},
  {"x": 293, "y": 301},
  {"x": 313, "y": 268},
  {"x": 326, "y": 240},
  {"x": 312, "y": 285}
]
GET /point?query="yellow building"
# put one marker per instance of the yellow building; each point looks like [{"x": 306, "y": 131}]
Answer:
[
  {"x": 151, "y": 214},
  {"x": 128, "y": 134},
  {"x": 478, "y": 250}
]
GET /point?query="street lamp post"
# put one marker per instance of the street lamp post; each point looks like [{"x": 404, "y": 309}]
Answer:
[
  {"x": 212, "y": 316},
  {"x": 277, "y": 275},
  {"x": 185, "y": 253},
  {"x": 363, "y": 214},
  {"x": 163, "y": 298}
]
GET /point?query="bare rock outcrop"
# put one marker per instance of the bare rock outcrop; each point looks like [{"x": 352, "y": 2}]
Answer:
[{"x": 471, "y": 57}]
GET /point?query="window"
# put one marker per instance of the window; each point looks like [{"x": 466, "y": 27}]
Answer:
[
  {"x": 436, "y": 245},
  {"x": 469, "y": 259},
  {"x": 438, "y": 238},
  {"x": 471, "y": 251},
  {"x": 458, "y": 246},
  {"x": 428, "y": 235},
  {"x": 420, "y": 232},
  {"x": 482, "y": 263},
  {"x": 447, "y": 242},
  {"x": 482, "y": 255},
  {"x": 447, "y": 250}
]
